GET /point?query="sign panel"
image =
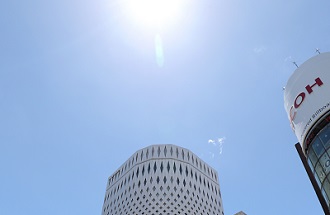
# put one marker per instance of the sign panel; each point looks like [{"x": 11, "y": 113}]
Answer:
[{"x": 307, "y": 95}]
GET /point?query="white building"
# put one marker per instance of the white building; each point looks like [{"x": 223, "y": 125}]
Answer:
[
  {"x": 307, "y": 103},
  {"x": 163, "y": 180}
]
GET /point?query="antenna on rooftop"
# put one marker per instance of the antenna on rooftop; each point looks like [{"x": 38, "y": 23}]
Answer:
[{"x": 295, "y": 64}]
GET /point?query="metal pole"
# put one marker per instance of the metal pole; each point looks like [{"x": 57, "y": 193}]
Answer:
[{"x": 312, "y": 179}]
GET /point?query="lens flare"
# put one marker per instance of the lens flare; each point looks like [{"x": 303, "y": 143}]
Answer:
[{"x": 159, "y": 51}]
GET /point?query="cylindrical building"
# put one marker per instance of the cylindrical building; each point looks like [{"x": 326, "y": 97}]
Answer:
[
  {"x": 163, "y": 180},
  {"x": 307, "y": 103}
]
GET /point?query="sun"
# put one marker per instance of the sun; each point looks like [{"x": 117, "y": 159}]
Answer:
[{"x": 154, "y": 13}]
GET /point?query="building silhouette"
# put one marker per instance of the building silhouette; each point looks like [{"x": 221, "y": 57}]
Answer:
[
  {"x": 241, "y": 213},
  {"x": 163, "y": 180}
]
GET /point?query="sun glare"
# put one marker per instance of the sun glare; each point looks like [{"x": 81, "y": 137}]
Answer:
[{"x": 154, "y": 13}]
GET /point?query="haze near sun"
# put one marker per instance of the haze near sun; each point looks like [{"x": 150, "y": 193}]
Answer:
[{"x": 154, "y": 13}]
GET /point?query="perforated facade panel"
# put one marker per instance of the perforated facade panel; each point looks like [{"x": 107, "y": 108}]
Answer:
[{"x": 163, "y": 180}]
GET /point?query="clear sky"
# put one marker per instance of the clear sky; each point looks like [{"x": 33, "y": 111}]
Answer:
[{"x": 85, "y": 84}]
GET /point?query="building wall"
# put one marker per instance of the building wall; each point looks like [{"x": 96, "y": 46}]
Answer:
[
  {"x": 307, "y": 103},
  {"x": 163, "y": 180},
  {"x": 318, "y": 155}
]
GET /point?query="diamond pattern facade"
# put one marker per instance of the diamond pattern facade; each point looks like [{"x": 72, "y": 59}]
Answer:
[{"x": 163, "y": 180}]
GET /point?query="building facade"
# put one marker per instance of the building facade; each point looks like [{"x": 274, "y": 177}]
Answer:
[
  {"x": 307, "y": 103},
  {"x": 163, "y": 180}
]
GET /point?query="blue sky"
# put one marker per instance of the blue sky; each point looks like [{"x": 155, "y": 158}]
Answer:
[{"x": 81, "y": 90}]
